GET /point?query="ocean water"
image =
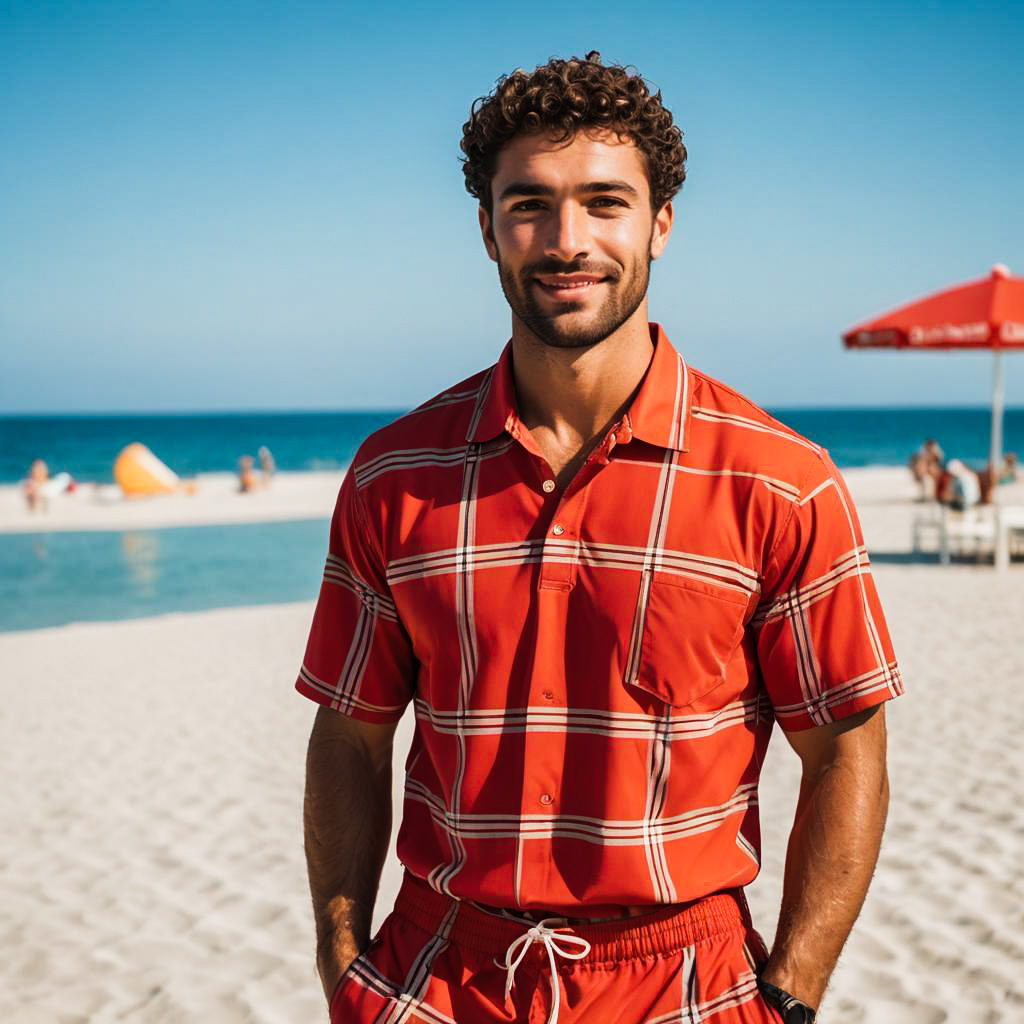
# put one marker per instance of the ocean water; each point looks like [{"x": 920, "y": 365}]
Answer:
[
  {"x": 50, "y": 579},
  {"x": 86, "y": 446},
  {"x": 53, "y": 579}
]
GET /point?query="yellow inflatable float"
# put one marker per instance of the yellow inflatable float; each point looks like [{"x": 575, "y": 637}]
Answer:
[{"x": 139, "y": 473}]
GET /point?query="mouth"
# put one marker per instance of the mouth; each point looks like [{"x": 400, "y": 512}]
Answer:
[{"x": 567, "y": 287}]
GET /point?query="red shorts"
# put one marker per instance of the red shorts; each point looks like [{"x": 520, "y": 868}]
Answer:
[{"x": 440, "y": 961}]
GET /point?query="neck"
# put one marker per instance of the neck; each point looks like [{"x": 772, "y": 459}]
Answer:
[{"x": 577, "y": 393}]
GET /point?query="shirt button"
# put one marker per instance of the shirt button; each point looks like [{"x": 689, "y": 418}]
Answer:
[
  {"x": 546, "y": 798},
  {"x": 549, "y": 695},
  {"x": 558, "y": 529},
  {"x": 548, "y": 485}
]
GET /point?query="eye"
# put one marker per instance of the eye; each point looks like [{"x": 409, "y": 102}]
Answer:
[
  {"x": 606, "y": 202},
  {"x": 526, "y": 206}
]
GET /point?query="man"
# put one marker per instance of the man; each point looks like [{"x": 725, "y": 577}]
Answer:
[{"x": 600, "y": 576}]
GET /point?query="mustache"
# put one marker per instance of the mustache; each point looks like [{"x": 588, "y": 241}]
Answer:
[{"x": 551, "y": 266}]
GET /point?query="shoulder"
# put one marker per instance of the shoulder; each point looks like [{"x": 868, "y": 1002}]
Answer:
[
  {"x": 730, "y": 431},
  {"x": 429, "y": 434}
]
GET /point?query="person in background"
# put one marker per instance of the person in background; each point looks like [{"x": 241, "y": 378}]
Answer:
[
  {"x": 964, "y": 489},
  {"x": 927, "y": 464},
  {"x": 988, "y": 481},
  {"x": 267, "y": 464},
  {"x": 935, "y": 454},
  {"x": 246, "y": 476},
  {"x": 35, "y": 493}
]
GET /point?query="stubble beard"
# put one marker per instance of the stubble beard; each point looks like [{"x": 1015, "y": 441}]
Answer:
[{"x": 626, "y": 291}]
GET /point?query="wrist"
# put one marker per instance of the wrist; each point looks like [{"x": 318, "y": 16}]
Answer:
[
  {"x": 791, "y": 1009},
  {"x": 796, "y": 976},
  {"x": 334, "y": 953}
]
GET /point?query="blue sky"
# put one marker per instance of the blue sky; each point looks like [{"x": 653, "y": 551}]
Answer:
[{"x": 259, "y": 205}]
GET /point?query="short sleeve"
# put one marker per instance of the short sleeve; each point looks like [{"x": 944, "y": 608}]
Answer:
[
  {"x": 358, "y": 659},
  {"x": 823, "y": 645}
]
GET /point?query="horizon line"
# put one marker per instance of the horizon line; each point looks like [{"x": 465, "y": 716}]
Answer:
[{"x": 401, "y": 411}]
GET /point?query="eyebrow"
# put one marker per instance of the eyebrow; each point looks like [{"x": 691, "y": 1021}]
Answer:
[{"x": 527, "y": 188}]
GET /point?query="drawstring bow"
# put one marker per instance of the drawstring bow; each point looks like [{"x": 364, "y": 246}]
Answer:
[{"x": 554, "y": 941}]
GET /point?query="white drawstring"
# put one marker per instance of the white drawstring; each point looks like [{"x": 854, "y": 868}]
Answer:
[{"x": 550, "y": 937}]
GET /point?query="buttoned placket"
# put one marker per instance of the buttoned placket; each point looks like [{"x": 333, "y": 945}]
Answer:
[
  {"x": 561, "y": 551},
  {"x": 562, "y": 516}
]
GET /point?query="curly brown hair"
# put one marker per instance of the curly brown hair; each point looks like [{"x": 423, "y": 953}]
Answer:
[{"x": 563, "y": 96}]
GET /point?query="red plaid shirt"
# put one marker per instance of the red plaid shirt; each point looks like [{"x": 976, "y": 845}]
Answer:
[{"x": 594, "y": 672}]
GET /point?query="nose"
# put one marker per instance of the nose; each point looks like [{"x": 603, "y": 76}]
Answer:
[{"x": 570, "y": 234}]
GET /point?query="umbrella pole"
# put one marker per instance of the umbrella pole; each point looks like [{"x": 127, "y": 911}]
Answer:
[
  {"x": 1002, "y": 540},
  {"x": 996, "y": 451}
]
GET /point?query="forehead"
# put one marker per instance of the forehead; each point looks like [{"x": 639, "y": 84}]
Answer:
[{"x": 590, "y": 156}]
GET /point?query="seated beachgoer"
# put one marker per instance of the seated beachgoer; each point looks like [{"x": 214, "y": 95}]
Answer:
[
  {"x": 988, "y": 480},
  {"x": 934, "y": 451},
  {"x": 246, "y": 475},
  {"x": 926, "y": 465},
  {"x": 965, "y": 487},
  {"x": 986, "y": 485},
  {"x": 35, "y": 493}
]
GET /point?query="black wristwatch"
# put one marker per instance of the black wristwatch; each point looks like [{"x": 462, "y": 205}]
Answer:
[{"x": 789, "y": 1007}]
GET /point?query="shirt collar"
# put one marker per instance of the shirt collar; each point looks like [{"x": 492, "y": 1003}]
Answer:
[
  {"x": 659, "y": 414},
  {"x": 495, "y": 409}
]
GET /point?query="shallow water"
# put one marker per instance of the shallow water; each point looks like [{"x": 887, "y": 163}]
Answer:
[{"x": 55, "y": 578}]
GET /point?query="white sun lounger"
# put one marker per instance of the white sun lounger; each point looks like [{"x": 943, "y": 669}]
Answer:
[
  {"x": 978, "y": 531},
  {"x": 1009, "y": 533},
  {"x": 938, "y": 527}
]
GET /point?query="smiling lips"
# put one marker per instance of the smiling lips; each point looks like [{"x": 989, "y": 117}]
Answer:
[{"x": 567, "y": 286}]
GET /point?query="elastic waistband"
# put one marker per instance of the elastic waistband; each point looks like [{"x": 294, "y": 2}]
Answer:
[{"x": 665, "y": 930}]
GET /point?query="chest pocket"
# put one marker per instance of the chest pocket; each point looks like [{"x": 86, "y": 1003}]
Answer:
[{"x": 688, "y": 633}]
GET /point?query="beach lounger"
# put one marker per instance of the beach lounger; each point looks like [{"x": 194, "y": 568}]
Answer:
[
  {"x": 971, "y": 531},
  {"x": 1009, "y": 534},
  {"x": 926, "y": 528},
  {"x": 998, "y": 530}
]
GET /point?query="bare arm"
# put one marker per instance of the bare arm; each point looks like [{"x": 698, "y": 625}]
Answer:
[
  {"x": 347, "y": 817},
  {"x": 833, "y": 847}
]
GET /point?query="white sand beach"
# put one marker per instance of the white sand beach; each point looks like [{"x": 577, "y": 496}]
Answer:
[
  {"x": 216, "y": 500},
  {"x": 150, "y": 818}
]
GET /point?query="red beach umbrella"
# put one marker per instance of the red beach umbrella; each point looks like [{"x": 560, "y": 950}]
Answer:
[{"x": 985, "y": 314}]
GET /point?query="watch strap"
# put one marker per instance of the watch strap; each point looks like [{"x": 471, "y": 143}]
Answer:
[{"x": 792, "y": 1009}]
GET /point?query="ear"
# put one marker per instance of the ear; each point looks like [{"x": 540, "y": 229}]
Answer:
[
  {"x": 662, "y": 229},
  {"x": 487, "y": 231}
]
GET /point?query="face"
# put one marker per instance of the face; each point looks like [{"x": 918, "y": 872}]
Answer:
[{"x": 573, "y": 235}]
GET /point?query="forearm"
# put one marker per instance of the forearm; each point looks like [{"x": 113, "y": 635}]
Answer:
[
  {"x": 833, "y": 849},
  {"x": 347, "y": 818}
]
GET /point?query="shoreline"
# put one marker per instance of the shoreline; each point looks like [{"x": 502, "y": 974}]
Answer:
[
  {"x": 885, "y": 499},
  {"x": 292, "y": 497}
]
